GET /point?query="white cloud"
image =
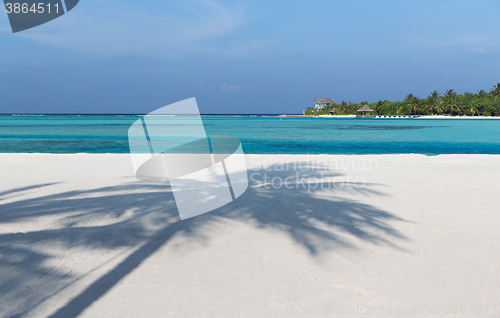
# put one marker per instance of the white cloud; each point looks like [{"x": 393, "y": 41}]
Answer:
[
  {"x": 481, "y": 51},
  {"x": 2, "y": 70},
  {"x": 229, "y": 88},
  {"x": 206, "y": 87},
  {"x": 167, "y": 29}
]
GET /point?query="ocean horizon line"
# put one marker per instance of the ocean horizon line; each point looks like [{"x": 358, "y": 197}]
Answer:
[{"x": 125, "y": 114}]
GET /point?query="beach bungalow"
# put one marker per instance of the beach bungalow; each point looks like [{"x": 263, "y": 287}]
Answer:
[
  {"x": 332, "y": 111},
  {"x": 363, "y": 110},
  {"x": 322, "y": 102}
]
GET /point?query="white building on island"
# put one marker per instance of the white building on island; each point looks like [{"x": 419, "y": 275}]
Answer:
[{"x": 322, "y": 102}]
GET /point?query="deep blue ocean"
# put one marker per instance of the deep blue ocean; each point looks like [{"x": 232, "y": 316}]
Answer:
[{"x": 260, "y": 134}]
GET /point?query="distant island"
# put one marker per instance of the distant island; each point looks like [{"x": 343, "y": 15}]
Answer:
[{"x": 450, "y": 103}]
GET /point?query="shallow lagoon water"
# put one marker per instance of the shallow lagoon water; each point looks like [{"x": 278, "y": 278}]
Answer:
[{"x": 261, "y": 134}]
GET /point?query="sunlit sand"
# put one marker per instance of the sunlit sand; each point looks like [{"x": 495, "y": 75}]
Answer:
[{"x": 79, "y": 235}]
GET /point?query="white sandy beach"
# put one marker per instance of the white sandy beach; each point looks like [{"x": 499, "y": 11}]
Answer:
[
  {"x": 457, "y": 117},
  {"x": 419, "y": 117},
  {"x": 391, "y": 235}
]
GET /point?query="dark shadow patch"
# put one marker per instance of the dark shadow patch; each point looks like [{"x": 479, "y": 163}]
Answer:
[{"x": 318, "y": 224}]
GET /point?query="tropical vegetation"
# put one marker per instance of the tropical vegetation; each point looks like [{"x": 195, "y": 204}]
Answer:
[{"x": 450, "y": 103}]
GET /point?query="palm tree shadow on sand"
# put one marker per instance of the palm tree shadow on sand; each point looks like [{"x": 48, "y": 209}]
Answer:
[{"x": 144, "y": 218}]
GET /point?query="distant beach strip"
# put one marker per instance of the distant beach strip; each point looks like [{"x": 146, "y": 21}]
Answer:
[
  {"x": 450, "y": 103},
  {"x": 392, "y": 116}
]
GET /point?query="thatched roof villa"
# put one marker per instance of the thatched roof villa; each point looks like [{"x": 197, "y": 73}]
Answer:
[
  {"x": 363, "y": 111},
  {"x": 322, "y": 102}
]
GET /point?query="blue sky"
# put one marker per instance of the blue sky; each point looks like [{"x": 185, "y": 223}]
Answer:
[{"x": 108, "y": 56}]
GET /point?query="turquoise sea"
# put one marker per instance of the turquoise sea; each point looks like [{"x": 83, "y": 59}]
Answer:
[{"x": 260, "y": 134}]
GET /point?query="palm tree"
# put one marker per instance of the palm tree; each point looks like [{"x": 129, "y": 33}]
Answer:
[
  {"x": 413, "y": 103},
  {"x": 343, "y": 105},
  {"x": 495, "y": 91},
  {"x": 472, "y": 111},
  {"x": 415, "y": 109},
  {"x": 435, "y": 94},
  {"x": 482, "y": 93},
  {"x": 468, "y": 95},
  {"x": 409, "y": 97},
  {"x": 450, "y": 97},
  {"x": 378, "y": 106},
  {"x": 432, "y": 99},
  {"x": 428, "y": 107},
  {"x": 450, "y": 92},
  {"x": 398, "y": 109},
  {"x": 439, "y": 108}
]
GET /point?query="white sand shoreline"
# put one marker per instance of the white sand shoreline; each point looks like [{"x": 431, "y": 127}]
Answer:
[{"x": 80, "y": 236}]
